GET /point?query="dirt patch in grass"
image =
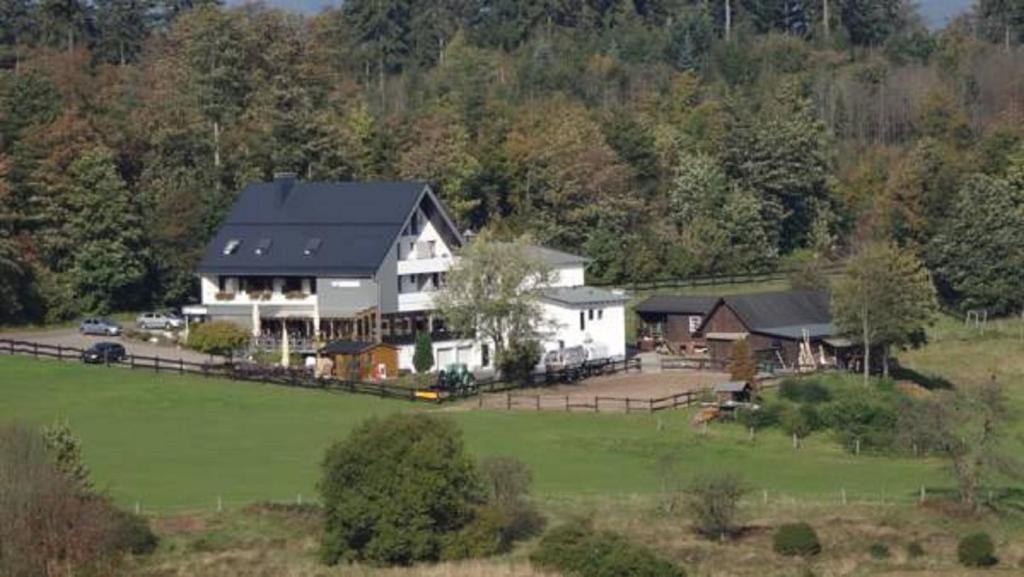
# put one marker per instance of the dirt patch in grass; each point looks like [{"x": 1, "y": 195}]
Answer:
[{"x": 605, "y": 393}]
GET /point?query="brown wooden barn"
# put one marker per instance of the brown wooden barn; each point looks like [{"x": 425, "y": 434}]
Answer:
[
  {"x": 364, "y": 361},
  {"x": 672, "y": 321},
  {"x": 776, "y": 325}
]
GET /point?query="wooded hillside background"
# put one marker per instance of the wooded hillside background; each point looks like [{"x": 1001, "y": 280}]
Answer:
[{"x": 662, "y": 138}]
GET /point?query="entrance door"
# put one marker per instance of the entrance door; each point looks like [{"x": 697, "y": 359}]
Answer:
[{"x": 445, "y": 357}]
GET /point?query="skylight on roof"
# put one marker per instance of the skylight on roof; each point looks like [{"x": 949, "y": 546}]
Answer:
[
  {"x": 232, "y": 246},
  {"x": 263, "y": 247},
  {"x": 312, "y": 245}
]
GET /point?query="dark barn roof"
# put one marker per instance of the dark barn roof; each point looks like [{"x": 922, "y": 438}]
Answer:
[
  {"x": 782, "y": 314},
  {"x": 676, "y": 305},
  {"x": 312, "y": 228}
]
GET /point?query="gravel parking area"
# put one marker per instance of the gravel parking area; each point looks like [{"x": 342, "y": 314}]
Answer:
[{"x": 72, "y": 338}]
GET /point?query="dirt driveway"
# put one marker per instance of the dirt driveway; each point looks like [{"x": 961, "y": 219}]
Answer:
[
  {"x": 610, "y": 389},
  {"x": 72, "y": 338}
]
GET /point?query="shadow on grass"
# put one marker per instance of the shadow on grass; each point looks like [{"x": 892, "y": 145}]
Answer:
[{"x": 930, "y": 382}]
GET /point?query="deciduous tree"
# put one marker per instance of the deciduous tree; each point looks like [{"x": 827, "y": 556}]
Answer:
[
  {"x": 884, "y": 297},
  {"x": 978, "y": 255},
  {"x": 493, "y": 292}
]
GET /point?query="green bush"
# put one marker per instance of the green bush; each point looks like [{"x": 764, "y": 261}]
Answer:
[
  {"x": 762, "y": 418},
  {"x": 804, "y": 391},
  {"x": 866, "y": 415},
  {"x": 518, "y": 360},
  {"x": 423, "y": 355},
  {"x": 796, "y": 539},
  {"x": 396, "y": 491},
  {"x": 915, "y": 550},
  {"x": 576, "y": 549},
  {"x": 795, "y": 421},
  {"x": 878, "y": 551},
  {"x": 714, "y": 499},
  {"x": 131, "y": 533},
  {"x": 977, "y": 550},
  {"x": 217, "y": 338}
]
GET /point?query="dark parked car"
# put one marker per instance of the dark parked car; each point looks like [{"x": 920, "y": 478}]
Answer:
[
  {"x": 98, "y": 326},
  {"x": 104, "y": 352}
]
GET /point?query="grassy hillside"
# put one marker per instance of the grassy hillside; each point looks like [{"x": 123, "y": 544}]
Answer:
[{"x": 176, "y": 443}]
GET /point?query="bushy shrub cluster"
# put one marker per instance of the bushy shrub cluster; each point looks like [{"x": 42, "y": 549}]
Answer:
[
  {"x": 402, "y": 490},
  {"x": 395, "y": 489},
  {"x": 977, "y": 550},
  {"x": 915, "y": 550},
  {"x": 858, "y": 416},
  {"x": 863, "y": 414},
  {"x": 879, "y": 551},
  {"x": 713, "y": 500},
  {"x": 576, "y": 549},
  {"x": 518, "y": 360},
  {"x": 50, "y": 518},
  {"x": 804, "y": 391},
  {"x": 796, "y": 539},
  {"x": 507, "y": 516}
]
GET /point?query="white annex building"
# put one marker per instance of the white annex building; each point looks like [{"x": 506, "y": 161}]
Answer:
[{"x": 329, "y": 261}]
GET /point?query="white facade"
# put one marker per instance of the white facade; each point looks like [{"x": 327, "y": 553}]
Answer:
[
  {"x": 476, "y": 355},
  {"x": 568, "y": 275},
  {"x": 600, "y": 324}
]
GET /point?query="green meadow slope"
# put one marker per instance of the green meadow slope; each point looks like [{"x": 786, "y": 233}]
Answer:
[{"x": 176, "y": 443}]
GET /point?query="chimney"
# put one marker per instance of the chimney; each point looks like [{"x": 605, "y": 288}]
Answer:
[{"x": 284, "y": 181}]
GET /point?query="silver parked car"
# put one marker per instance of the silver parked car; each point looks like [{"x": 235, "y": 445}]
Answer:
[
  {"x": 159, "y": 320},
  {"x": 98, "y": 326}
]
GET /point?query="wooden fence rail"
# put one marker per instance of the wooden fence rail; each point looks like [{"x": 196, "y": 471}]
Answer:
[
  {"x": 595, "y": 404},
  {"x": 714, "y": 280},
  {"x": 295, "y": 377}
]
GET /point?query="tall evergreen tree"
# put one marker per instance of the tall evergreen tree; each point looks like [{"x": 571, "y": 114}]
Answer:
[
  {"x": 109, "y": 259},
  {"x": 64, "y": 23},
  {"x": 123, "y": 26}
]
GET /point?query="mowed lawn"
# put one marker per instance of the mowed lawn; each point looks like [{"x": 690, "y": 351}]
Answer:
[{"x": 177, "y": 442}]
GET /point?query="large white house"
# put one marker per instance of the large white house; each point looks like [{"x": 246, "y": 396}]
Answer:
[{"x": 362, "y": 261}]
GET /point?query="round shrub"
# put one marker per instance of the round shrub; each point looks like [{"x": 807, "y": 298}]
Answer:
[
  {"x": 131, "y": 533},
  {"x": 878, "y": 551},
  {"x": 796, "y": 539},
  {"x": 915, "y": 550},
  {"x": 576, "y": 549},
  {"x": 396, "y": 490},
  {"x": 977, "y": 550}
]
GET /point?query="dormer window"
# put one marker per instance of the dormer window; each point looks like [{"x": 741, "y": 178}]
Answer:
[
  {"x": 262, "y": 247},
  {"x": 312, "y": 246},
  {"x": 232, "y": 246}
]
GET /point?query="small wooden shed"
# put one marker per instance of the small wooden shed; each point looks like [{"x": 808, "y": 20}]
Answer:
[
  {"x": 360, "y": 360},
  {"x": 735, "y": 391}
]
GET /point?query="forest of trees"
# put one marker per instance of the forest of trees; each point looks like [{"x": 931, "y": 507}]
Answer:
[{"x": 661, "y": 138}]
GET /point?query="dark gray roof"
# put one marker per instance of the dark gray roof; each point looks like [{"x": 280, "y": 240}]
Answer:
[
  {"x": 783, "y": 314},
  {"x": 672, "y": 304},
  {"x": 814, "y": 331},
  {"x": 582, "y": 295},
  {"x": 780, "y": 309},
  {"x": 731, "y": 387},
  {"x": 356, "y": 224},
  {"x": 553, "y": 257}
]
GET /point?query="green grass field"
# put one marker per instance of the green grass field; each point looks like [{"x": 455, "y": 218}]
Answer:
[{"x": 177, "y": 443}]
